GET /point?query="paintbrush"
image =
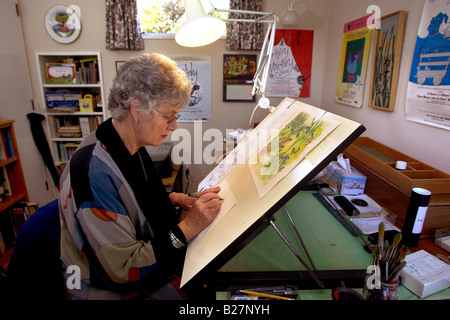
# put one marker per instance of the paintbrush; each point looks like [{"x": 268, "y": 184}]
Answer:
[
  {"x": 375, "y": 255},
  {"x": 396, "y": 258},
  {"x": 396, "y": 272},
  {"x": 386, "y": 248},
  {"x": 395, "y": 243},
  {"x": 404, "y": 252},
  {"x": 400, "y": 257},
  {"x": 381, "y": 228}
]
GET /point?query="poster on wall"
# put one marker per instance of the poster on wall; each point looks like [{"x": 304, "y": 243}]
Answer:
[
  {"x": 198, "y": 69},
  {"x": 353, "y": 62},
  {"x": 428, "y": 93},
  {"x": 238, "y": 73},
  {"x": 386, "y": 56},
  {"x": 290, "y": 68}
]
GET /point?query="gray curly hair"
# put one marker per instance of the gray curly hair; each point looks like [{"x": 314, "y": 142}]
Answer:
[{"x": 152, "y": 79}]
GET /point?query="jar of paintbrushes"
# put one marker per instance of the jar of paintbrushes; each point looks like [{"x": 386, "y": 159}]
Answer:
[{"x": 383, "y": 280}]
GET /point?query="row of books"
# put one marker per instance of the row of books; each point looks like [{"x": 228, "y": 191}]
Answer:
[
  {"x": 6, "y": 147},
  {"x": 73, "y": 71},
  {"x": 66, "y": 150},
  {"x": 17, "y": 216},
  {"x": 87, "y": 72},
  {"x": 89, "y": 124},
  {"x": 75, "y": 127}
]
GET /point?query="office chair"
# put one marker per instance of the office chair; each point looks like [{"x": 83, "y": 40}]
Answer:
[{"x": 34, "y": 271}]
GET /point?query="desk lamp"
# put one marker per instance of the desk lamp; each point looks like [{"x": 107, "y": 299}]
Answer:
[{"x": 201, "y": 29}]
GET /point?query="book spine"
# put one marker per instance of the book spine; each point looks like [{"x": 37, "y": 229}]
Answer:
[
  {"x": 6, "y": 183},
  {"x": 7, "y": 142},
  {"x": 2, "y": 245},
  {"x": 18, "y": 217},
  {"x": 2, "y": 148}
]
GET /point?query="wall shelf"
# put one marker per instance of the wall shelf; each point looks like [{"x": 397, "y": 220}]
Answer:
[
  {"x": 65, "y": 114},
  {"x": 11, "y": 170}
]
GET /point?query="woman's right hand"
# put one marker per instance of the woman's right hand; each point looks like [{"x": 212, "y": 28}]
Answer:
[{"x": 203, "y": 211}]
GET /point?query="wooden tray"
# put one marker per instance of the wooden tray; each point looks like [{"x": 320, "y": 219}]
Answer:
[{"x": 382, "y": 160}]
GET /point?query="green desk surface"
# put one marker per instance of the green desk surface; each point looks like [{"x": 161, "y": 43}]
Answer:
[{"x": 329, "y": 244}]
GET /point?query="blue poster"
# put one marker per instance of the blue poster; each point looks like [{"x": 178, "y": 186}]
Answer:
[{"x": 428, "y": 94}]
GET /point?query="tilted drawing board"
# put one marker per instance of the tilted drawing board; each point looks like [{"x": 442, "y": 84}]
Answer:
[{"x": 252, "y": 207}]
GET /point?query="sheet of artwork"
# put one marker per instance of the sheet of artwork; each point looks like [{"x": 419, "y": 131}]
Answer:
[
  {"x": 249, "y": 146},
  {"x": 288, "y": 146},
  {"x": 428, "y": 93},
  {"x": 353, "y": 62},
  {"x": 228, "y": 202}
]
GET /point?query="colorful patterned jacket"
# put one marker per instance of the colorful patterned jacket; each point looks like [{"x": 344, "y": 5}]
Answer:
[{"x": 115, "y": 221}]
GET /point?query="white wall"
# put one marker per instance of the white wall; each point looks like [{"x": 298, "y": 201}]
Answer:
[
  {"x": 15, "y": 102},
  {"x": 425, "y": 143},
  {"x": 92, "y": 38},
  {"x": 326, "y": 17}
]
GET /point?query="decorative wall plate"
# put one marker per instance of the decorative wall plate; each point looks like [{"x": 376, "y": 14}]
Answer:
[{"x": 62, "y": 23}]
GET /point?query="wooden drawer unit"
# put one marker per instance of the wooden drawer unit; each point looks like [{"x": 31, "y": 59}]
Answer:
[{"x": 391, "y": 188}]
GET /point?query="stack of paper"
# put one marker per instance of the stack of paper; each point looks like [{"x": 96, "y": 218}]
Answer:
[{"x": 424, "y": 274}]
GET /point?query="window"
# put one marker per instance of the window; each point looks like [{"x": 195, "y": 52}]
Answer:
[{"x": 162, "y": 18}]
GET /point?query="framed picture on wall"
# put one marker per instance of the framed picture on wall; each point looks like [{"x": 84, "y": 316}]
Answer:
[
  {"x": 387, "y": 51},
  {"x": 238, "y": 73},
  {"x": 119, "y": 63}
]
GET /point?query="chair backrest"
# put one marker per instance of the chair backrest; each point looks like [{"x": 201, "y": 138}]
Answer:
[{"x": 34, "y": 270}]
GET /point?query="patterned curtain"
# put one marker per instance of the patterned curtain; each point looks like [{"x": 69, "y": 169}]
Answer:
[
  {"x": 244, "y": 35},
  {"x": 122, "y": 30}
]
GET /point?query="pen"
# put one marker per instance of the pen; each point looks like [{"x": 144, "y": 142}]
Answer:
[
  {"x": 198, "y": 196},
  {"x": 266, "y": 295},
  {"x": 194, "y": 195}
]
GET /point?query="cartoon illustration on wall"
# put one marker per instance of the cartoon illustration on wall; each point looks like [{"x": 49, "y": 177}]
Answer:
[
  {"x": 353, "y": 60},
  {"x": 432, "y": 54}
]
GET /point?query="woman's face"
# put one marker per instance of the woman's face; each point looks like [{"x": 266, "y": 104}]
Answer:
[{"x": 155, "y": 129}]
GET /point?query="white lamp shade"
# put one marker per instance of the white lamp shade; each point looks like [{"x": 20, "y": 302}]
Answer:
[
  {"x": 290, "y": 17},
  {"x": 199, "y": 29}
]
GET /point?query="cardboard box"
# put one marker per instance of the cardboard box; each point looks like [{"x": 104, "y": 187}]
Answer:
[
  {"x": 346, "y": 183},
  {"x": 424, "y": 274},
  {"x": 63, "y": 99}
]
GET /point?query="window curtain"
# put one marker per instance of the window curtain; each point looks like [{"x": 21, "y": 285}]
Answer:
[
  {"x": 244, "y": 35},
  {"x": 301, "y": 43},
  {"x": 122, "y": 29}
]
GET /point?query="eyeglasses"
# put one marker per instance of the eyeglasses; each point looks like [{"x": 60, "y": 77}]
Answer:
[{"x": 169, "y": 119}]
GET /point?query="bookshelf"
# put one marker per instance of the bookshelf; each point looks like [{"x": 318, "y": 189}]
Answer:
[
  {"x": 14, "y": 185},
  {"x": 65, "y": 78}
]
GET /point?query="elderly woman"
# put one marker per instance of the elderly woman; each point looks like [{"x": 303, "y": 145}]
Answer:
[{"x": 120, "y": 235}]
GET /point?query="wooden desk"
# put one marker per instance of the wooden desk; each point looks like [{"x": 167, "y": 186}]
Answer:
[{"x": 391, "y": 188}]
